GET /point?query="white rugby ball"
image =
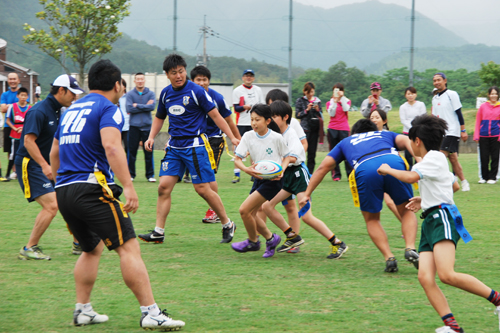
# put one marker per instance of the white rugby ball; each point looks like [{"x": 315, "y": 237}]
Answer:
[{"x": 268, "y": 169}]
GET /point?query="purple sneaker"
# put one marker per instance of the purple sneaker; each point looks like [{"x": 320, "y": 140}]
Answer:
[
  {"x": 246, "y": 246},
  {"x": 271, "y": 245}
]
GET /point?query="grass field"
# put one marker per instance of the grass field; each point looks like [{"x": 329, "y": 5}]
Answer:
[{"x": 214, "y": 289}]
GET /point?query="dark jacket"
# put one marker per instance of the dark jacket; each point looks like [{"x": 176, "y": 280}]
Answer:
[
  {"x": 140, "y": 116},
  {"x": 310, "y": 120}
]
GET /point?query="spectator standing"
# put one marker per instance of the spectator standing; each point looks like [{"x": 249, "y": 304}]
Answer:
[
  {"x": 38, "y": 92},
  {"x": 338, "y": 127},
  {"x": 407, "y": 112},
  {"x": 308, "y": 110},
  {"x": 244, "y": 97},
  {"x": 375, "y": 101},
  {"x": 140, "y": 103},
  {"x": 122, "y": 103},
  {"x": 446, "y": 104},
  {"x": 487, "y": 134}
]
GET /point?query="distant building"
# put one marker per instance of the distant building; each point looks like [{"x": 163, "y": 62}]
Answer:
[{"x": 28, "y": 77}]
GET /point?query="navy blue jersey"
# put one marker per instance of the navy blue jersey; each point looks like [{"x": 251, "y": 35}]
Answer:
[
  {"x": 41, "y": 120},
  {"x": 80, "y": 147},
  {"x": 187, "y": 110},
  {"x": 224, "y": 110},
  {"x": 363, "y": 146}
]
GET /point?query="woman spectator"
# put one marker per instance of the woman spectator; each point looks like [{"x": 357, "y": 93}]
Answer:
[
  {"x": 308, "y": 110},
  {"x": 407, "y": 112},
  {"x": 487, "y": 133},
  {"x": 338, "y": 127}
]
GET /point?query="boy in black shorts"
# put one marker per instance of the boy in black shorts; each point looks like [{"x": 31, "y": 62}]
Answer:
[{"x": 442, "y": 226}]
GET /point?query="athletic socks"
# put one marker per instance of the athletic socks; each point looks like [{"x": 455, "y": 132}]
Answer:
[
  {"x": 289, "y": 232},
  {"x": 9, "y": 168},
  {"x": 159, "y": 230},
  {"x": 152, "y": 310},
  {"x": 333, "y": 239},
  {"x": 227, "y": 225},
  {"x": 237, "y": 172},
  {"x": 270, "y": 239},
  {"x": 450, "y": 321},
  {"x": 494, "y": 298},
  {"x": 87, "y": 307}
]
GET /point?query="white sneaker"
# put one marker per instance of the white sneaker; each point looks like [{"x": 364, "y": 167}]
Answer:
[
  {"x": 491, "y": 181},
  {"x": 481, "y": 181},
  {"x": 465, "y": 186},
  {"x": 445, "y": 329},
  {"x": 88, "y": 318},
  {"x": 161, "y": 322},
  {"x": 132, "y": 179},
  {"x": 13, "y": 175},
  {"x": 232, "y": 160},
  {"x": 497, "y": 311},
  {"x": 152, "y": 180}
]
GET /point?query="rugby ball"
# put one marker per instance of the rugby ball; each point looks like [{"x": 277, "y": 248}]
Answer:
[{"x": 268, "y": 169}]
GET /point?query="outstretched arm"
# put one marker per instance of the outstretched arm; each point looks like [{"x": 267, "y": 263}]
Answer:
[{"x": 409, "y": 177}]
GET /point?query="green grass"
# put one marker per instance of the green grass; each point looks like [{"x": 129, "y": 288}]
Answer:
[{"x": 215, "y": 289}]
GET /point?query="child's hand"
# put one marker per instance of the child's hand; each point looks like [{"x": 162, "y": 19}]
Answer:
[
  {"x": 19, "y": 129},
  {"x": 384, "y": 169},
  {"x": 304, "y": 201},
  {"x": 415, "y": 204},
  {"x": 252, "y": 172},
  {"x": 278, "y": 177}
]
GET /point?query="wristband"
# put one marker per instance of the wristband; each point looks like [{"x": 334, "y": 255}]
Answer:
[{"x": 464, "y": 130}]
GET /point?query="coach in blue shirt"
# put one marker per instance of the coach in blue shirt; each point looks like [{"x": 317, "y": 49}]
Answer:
[{"x": 33, "y": 161}]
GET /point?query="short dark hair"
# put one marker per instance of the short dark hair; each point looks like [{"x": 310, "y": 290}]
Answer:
[
  {"x": 276, "y": 95},
  {"x": 103, "y": 75},
  {"x": 411, "y": 89},
  {"x": 22, "y": 90},
  {"x": 55, "y": 89},
  {"x": 264, "y": 111},
  {"x": 363, "y": 126},
  {"x": 281, "y": 108},
  {"x": 431, "y": 130},
  {"x": 173, "y": 61},
  {"x": 308, "y": 86},
  {"x": 138, "y": 73},
  {"x": 383, "y": 115},
  {"x": 489, "y": 90},
  {"x": 124, "y": 83},
  {"x": 338, "y": 85},
  {"x": 200, "y": 71}
]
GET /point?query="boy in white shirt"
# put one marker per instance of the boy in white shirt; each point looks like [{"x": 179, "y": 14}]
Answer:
[{"x": 439, "y": 236}]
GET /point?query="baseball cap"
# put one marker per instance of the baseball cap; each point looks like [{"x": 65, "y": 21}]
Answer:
[
  {"x": 441, "y": 74},
  {"x": 69, "y": 82},
  {"x": 248, "y": 71},
  {"x": 375, "y": 85}
]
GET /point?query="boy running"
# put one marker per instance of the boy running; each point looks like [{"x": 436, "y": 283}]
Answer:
[{"x": 439, "y": 236}]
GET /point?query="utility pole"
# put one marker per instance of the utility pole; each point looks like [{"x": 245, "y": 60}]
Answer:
[
  {"x": 202, "y": 60},
  {"x": 175, "y": 26},
  {"x": 412, "y": 48},
  {"x": 290, "y": 19}
]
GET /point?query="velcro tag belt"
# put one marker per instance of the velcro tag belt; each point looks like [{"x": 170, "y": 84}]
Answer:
[
  {"x": 210, "y": 151},
  {"x": 101, "y": 179},
  {"x": 459, "y": 222},
  {"x": 26, "y": 183}
]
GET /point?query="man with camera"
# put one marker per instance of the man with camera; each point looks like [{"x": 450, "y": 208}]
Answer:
[{"x": 375, "y": 101}]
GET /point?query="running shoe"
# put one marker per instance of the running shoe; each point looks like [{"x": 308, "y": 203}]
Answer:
[
  {"x": 448, "y": 329},
  {"x": 481, "y": 181},
  {"x": 236, "y": 179},
  {"x": 32, "y": 253},
  {"x": 412, "y": 256},
  {"x": 294, "y": 250},
  {"x": 76, "y": 249},
  {"x": 391, "y": 265},
  {"x": 271, "y": 246},
  {"x": 491, "y": 181},
  {"x": 211, "y": 217},
  {"x": 497, "y": 311},
  {"x": 88, "y": 318},
  {"x": 336, "y": 179},
  {"x": 246, "y": 246},
  {"x": 162, "y": 322},
  {"x": 187, "y": 180},
  {"x": 228, "y": 233},
  {"x": 152, "y": 237},
  {"x": 294, "y": 241},
  {"x": 13, "y": 175},
  {"x": 2, "y": 179},
  {"x": 338, "y": 250},
  {"x": 152, "y": 180}
]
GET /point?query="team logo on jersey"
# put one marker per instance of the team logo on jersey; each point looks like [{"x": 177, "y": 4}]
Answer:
[
  {"x": 185, "y": 100},
  {"x": 164, "y": 166},
  {"x": 269, "y": 151},
  {"x": 176, "y": 110}
]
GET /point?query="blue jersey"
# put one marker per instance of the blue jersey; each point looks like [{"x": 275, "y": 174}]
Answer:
[
  {"x": 187, "y": 109},
  {"x": 363, "y": 146},
  {"x": 224, "y": 110},
  {"x": 9, "y": 97},
  {"x": 41, "y": 120},
  {"x": 80, "y": 147}
]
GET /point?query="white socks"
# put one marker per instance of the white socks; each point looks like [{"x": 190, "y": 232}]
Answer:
[
  {"x": 161, "y": 231},
  {"x": 83, "y": 307},
  {"x": 152, "y": 310}
]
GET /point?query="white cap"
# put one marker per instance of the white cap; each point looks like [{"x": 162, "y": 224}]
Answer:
[{"x": 69, "y": 82}]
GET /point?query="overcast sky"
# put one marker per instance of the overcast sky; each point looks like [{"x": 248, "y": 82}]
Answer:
[{"x": 468, "y": 19}]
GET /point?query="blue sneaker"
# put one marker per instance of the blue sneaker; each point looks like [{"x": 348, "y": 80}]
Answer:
[
  {"x": 271, "y": 246},
  {"x": 246, "y": 246}
]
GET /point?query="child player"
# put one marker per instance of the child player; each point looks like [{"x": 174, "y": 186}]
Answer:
[
  {"x": 439, "y": 237},
  {"x": 201, "y": 76},
  {"x": 296, "y": 179}
]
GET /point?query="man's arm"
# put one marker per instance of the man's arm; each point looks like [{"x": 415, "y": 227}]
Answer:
[
  {"x": 112, "y": 144},
  {"x": 36, "y": 155},
  {"x": 232, "y": 126},
  {"x": 365, "y": 108},
  {"x": 155, "y": 129},
  {"x": 403, "y": 143},
  {"x": 54, "y": 158},
  {"x": 221, "y": 123}
]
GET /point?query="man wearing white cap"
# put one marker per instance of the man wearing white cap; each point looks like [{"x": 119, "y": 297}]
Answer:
[{"x": 33, "y": 162}]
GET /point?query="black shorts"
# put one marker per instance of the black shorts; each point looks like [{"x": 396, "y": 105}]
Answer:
[
  {"x": 243, "y": 129},
  {"x": 93, "y": 216},
  {"x": 7, "y": 141},
  {"x": 450, "y": 144},
  {"x": 217, "y": 145},
  {"x": 267, "y": 188}
]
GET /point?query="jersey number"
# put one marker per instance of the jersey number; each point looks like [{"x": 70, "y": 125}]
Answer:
[{"x": 74, "y": 122}]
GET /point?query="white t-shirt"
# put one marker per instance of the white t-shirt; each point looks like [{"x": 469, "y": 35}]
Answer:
[
  {"x": 294, "y": 123},
  {"x": 444, "y": 106},
  {"x": 436, "y": 180},
  {"x": 271, "y": 146},
  {"x": 408, "y": 112},
  {"x": 38, "y": 90},
  {"x": 126, "y": 116},
  {"x": 294, "y": 145},
  {"x": 247, "y": 96}
]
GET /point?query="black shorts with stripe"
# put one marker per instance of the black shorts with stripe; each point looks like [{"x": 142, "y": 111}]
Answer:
[
  {"x": 93, "y": 216},
  {"x": 217, "y": 144}
]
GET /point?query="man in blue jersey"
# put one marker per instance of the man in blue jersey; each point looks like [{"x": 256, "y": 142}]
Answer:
[
  {"x": 187, "y": 105},
  {"x": 86, "y": 154},
  {"x": 366, "y": 149},
  {"x": 201, "y": 76},
  {"x": 33, "y": 163}
]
